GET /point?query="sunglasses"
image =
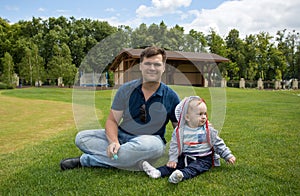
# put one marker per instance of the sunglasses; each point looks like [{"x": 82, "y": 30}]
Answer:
[{"x": 143, "y": 114}]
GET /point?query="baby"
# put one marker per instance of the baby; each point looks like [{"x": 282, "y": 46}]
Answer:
[{"x": 193, "y": 144}]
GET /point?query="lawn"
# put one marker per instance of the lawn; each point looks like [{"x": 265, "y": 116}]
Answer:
[{"x": 37, "y": 130}]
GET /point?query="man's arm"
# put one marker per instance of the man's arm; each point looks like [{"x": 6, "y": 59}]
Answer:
[{"x": 111, "y": 130}]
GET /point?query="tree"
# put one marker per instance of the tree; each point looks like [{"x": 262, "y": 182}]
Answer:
[
  {"x": 5, "y": 40},
  {"x": 162, "y": 34},
  {"x": 277, "y": 64},
  {"x": 176, "y": 38},
  {"x": 255, "y": 56},
  {"x": 8, "y": 69},
  {"x": 196, "y": 41},
  {"x": 102, "y": 29},
  {"x": 236, "y": 54},
  {"x": 69, "y": 75},
  {"x": 38, "y": 65},
  {"x": 288, "y": 44},
  {"x": 5, "y": 29},
  {"x": 298, "y": 62},
  {"x": 32, "y": 66},
  {"x": 264, "y": 46},
  {"x": 61, "y": 65},
  {"x": 251, "y": 54},
  {"x": 217, "y": 45},
  {"x": 140, "y": 37},
  {"x": 77, "y": 48}
]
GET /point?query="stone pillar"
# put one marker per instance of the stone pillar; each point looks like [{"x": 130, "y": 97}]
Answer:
[
  {"x": 16, "y": 80},
  {"x": 205, "y": 82},
  {"x": 260, "y": 84},
  {"x": 277, "y": 85},
  {"x": 242, "y": 83},
  {"x": 295, "y": 84},
  {"x": 60, "y": 82},
  {"x": 38, "y": 83},
  {"x": 223, "y": 83}
]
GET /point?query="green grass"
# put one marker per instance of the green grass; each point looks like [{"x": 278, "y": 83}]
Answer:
[{"x": 261, "y": 128}]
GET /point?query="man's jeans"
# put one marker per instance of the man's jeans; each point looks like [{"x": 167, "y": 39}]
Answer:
[{"x": 93, "y": 143}]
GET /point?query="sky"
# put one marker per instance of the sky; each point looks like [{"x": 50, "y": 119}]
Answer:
[{"x": 247, "y": 16}]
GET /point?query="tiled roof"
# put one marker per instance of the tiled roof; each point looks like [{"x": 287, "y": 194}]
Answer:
[
  {"x": 171, "y": 55},
  {"x": 179, "y": 55}
]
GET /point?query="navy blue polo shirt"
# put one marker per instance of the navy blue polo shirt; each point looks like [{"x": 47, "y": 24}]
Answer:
[{"x": 159, "y": 109}]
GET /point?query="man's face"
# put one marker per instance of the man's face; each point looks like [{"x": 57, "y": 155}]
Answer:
[{"x": 152, "y": 68}]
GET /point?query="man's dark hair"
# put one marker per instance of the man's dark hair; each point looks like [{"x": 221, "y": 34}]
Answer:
[{"x": 152, "y": 51}]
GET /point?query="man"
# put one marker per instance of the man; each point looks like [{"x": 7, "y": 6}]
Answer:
[{"x": 135, "y": 128}]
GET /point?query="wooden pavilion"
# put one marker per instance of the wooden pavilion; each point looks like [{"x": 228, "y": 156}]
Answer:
[{"x": 182, "y": 68}]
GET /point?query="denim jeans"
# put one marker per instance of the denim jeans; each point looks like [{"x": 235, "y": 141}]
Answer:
[{"x": 133, "y": 149}]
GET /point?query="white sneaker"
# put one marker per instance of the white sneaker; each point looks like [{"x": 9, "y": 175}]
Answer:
[
  {"x": 150, "y": 170},
  {"x": 176, "y": 177}
]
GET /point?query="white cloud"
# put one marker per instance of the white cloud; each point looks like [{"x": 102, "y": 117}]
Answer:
[
  {"x": 161, "y": 7},
  {"x": 62, "y": 11},
  {"x": 110, "y": 10},
  {"x": 41, "y": 9},
  {"x": 11, "y": 8},
  {"x": 248, "y": 16},
  {"x": 115, "y": 21}
]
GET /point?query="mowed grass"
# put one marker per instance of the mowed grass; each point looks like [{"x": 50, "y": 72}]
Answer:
[
  {"x": 27, "y": 121},
  {"x": 37, "y": 130}
]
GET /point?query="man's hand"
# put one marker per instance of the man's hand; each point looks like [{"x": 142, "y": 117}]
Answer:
[
  {"x": 111, "y": 130},
  {"x": 112, "y": 149}
]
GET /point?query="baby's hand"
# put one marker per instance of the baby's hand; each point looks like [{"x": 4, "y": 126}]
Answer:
[
  {"x": 172, "y": 164},
  {"x": 231, "y": 160}
]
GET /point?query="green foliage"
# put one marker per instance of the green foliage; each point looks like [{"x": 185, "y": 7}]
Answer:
[
  {"x": 5, "y": 86},
  {"x": 8, "y": 70},
  {"x": 288, "y": 44},
  {"x": 31, "y": 66},
  {"x": 216, "y": 44},
  {"x": 251, "y": 58},
  {"x": 111, "y": 79},
  {"x": 61, "y": 65}
]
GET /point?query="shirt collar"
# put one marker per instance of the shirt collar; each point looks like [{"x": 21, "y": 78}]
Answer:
[{"x": 158, "y": 92}]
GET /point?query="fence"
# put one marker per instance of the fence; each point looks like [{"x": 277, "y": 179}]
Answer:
[{"x": 260, "y": 84}]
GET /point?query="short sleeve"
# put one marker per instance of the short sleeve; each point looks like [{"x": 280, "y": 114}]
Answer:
[
  {"x": 119, "y": 100},
  {"x": 174, "y": 102}
]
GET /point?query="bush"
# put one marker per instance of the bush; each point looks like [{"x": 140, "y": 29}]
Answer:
[{"x": 5, "y": 86}]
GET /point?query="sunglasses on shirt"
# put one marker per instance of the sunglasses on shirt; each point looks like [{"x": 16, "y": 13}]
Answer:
[{"x": 143, "y": 114}]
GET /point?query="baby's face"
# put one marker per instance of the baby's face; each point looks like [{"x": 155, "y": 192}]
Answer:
[{"x": 196, "y": 114}]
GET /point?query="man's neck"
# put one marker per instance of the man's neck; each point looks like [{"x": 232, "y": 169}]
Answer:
[{"x": 149, "y": 88}]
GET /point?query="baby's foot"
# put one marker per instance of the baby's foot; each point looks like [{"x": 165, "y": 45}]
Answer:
[{"x": 176, "y": 177}]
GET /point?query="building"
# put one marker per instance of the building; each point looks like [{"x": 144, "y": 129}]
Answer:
[{"x": 183, "y": 68}]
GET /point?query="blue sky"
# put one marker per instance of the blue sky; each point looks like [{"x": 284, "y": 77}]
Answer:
[{"x": 248, "y": 16}]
